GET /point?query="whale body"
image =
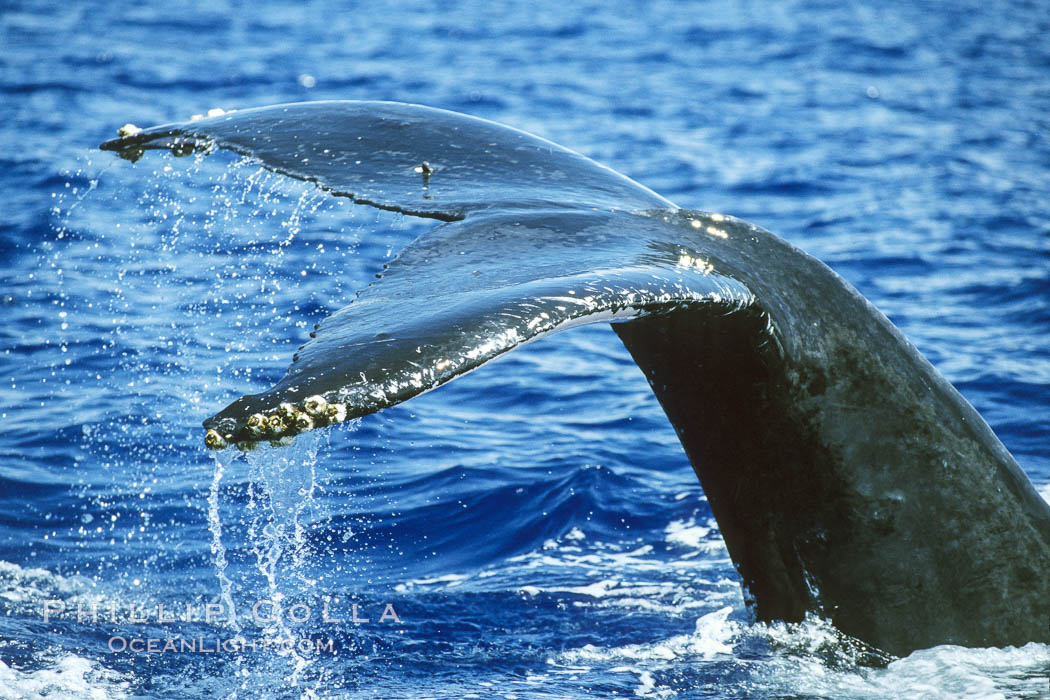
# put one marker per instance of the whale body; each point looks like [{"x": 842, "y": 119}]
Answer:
[{"x": 848, "y": 478}]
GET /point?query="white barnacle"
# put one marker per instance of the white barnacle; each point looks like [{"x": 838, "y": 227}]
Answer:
[
  {"x": 128, "y": 129},
  {"x": 256, "y": 424},
  {"x": 286, "y": 411},
  {"x": 316, "y": 406},
  {"x": 336, "y": 412},
  {"x": 303, "y": 422},
  {"x": 214, "y": 441},
  {"x": 276, "y": 424}
]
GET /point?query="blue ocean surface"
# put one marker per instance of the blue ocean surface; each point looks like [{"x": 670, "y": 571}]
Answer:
[{"x": 532, "y": 530}]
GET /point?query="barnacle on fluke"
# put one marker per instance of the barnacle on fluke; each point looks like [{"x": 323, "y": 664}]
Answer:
[
  {"x": 275, "y": 423},
  {"x": 315, "y": 406},
  {"x": 278, "y": 426},
  {"x": 336, "y": 413},
  {"x": 256, "y": 425},
  {"x": 214, "y": 441}
]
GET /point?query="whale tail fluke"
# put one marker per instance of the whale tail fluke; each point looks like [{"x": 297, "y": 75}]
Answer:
[{"x": 847, "y": 476}]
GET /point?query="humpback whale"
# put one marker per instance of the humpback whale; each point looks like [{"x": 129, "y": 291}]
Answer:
[{"x": 848, "y": 478}]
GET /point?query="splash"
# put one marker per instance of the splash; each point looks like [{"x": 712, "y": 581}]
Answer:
[
  {"x": 282, "y": 503},
  {"x": 177, "y": 287},
  {"x": 218, "y": 551},
  {"x": 282, "y": 487}
]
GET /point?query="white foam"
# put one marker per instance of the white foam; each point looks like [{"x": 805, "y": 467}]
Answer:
[
  {"x": 634, "y": 560},
  {"x": 950, "y": 672},
  {"x": 714, "y": 632},
  {"x": 688, "y": 534},
  {"x": 941, "y": 673},
  {"x": 26, "y": 589},
  {"x": 575, "y": 534},
  {"x": 813, "y": 659},
  {"x": 1044, "y": 491},
  {"x": 640, "y": 579},
  {"x": 598, "y": 589},
  {"x": 646, "y": 683},
  {"x": 449, "y": 580},
  {"x": 713, "y": 637},
  {"x": 69, "y": 678}
]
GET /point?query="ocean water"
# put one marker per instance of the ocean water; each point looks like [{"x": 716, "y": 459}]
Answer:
[{"x": 532, "y": 530}]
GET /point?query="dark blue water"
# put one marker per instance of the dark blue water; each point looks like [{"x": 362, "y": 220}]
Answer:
[{"x": 535, "y": 526}]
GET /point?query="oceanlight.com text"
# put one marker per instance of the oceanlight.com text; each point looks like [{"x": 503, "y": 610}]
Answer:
[{"x": 214, "y": 645}]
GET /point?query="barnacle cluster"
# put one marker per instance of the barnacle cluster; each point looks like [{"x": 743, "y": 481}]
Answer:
[{"x": 279, "y": 426}]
